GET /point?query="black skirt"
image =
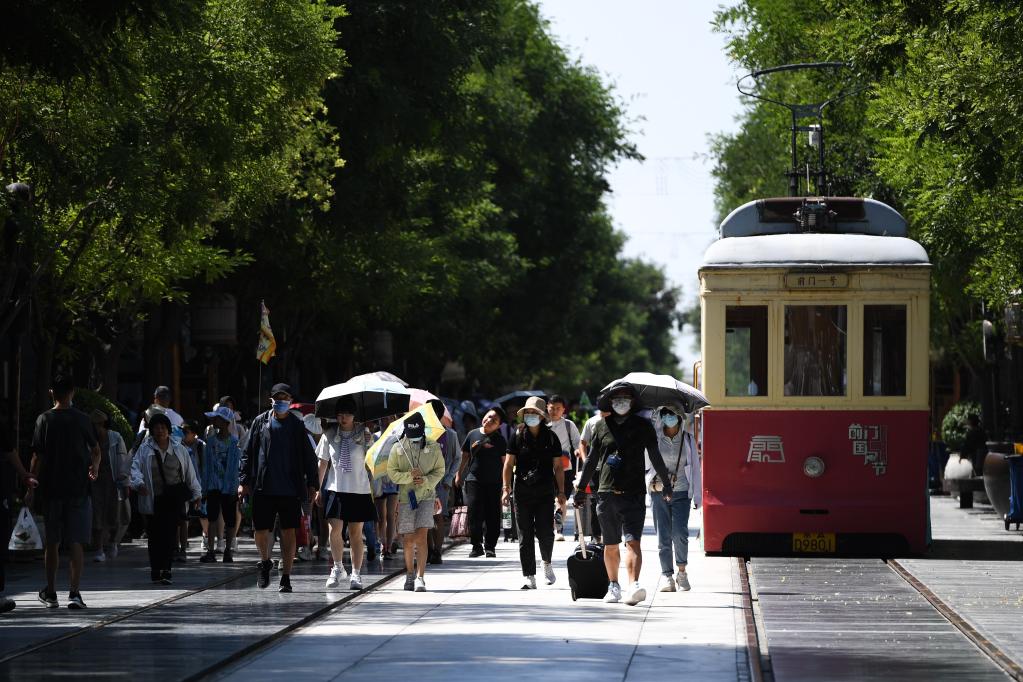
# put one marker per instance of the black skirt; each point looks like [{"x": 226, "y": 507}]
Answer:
[{"x": 351, "y": 507}]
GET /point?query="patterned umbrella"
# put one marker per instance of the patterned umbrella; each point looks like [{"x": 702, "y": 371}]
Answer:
[{"x": 376, "y": 456}]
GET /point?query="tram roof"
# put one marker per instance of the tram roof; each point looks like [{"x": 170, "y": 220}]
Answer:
[
  {"x": 852, "y": 215},
  {"x": 787, "y": 250}
]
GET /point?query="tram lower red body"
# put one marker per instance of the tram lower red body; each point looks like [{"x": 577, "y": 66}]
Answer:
[{"x": 870, "y": 500}]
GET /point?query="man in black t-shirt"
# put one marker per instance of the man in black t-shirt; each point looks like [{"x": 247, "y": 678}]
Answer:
[
  {"x": 619, "y": 444},
  {"x": 482, "y": 463},
  {"x": 65, "y": 456}
]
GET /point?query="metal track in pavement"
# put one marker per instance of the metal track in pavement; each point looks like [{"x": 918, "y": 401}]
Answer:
[{"x": 754, "y": 654}]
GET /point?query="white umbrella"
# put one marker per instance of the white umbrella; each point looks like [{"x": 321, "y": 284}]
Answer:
[
  {"x": 385, "y": 376},
  {"x": 374, "y": 398},
  {"x": 654, "y": 390}
]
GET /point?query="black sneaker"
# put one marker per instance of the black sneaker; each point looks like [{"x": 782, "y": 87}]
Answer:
[
  {"x": 228, "y": 557},
  {"x": 285, "y": 583},
  {"x": 165, "y": 577},
  {"x": 208, "y": 558},
  {"x": 476, "y": 551},
  {"x": 410, "y": 582},
  {"x": 264, "y": 574},
  {"x": 371, "y": 555},
  {"x": 49, "y": 599},
  {"x": 6, "y": 604},
  {"x": 491, "y": 554},
  {"x": 75, "y": 601}
]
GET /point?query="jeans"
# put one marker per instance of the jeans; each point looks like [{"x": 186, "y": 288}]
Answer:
[
  {"x": 483, "y": 501},
  {"x": 535, "y": 516},
  {"x": 671, "y": 519},
  {"x": 369, "y": 529}
]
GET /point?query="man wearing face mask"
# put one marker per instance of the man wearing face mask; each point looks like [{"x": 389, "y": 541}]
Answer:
[
  {"x": 278, "y": 469},
  {"x": 619, "y": 446},
  {"x": 671, "y": 517}
]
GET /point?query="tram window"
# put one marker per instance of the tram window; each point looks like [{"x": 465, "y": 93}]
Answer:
[
  {"x": 815, "y": 348},
  {"x": 884, "y": 350},
  {"x": 746, "y": 350}
]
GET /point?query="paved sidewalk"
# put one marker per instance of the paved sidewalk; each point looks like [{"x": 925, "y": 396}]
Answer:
[{"x": 475, "y": 622}]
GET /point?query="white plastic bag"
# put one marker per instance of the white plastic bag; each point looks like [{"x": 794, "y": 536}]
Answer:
[{"x": 25, "y": 536}]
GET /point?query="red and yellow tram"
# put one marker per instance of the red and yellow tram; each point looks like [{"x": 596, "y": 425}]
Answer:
[{"x": 815, "y": 329}]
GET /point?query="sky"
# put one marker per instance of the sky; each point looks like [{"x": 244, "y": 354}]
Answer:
[{"x": 678, "y": 88}]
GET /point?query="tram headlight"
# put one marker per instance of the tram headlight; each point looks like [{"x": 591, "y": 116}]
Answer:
[{"x": 813, "y": 467}]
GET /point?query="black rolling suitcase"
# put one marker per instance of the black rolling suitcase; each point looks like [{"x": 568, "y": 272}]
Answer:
[{"x": 587, "y": 577}]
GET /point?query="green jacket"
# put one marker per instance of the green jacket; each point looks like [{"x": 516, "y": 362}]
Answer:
[{"x": 399, "y": 468}]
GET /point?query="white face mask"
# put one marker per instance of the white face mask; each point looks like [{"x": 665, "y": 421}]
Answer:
[
  {"x": 621, "y": 406},
  {"x": 532, "y": 419}
]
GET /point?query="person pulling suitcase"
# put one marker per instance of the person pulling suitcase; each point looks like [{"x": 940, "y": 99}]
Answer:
[{"x": 619, "y": 445}]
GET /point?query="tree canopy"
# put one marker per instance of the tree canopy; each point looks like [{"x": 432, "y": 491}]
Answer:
[
  {"x": 433, "y": 170},
  {"x": 937, "y": 134}
]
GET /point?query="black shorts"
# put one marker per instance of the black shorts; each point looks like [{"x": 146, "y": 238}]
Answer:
[
  {"x": 266, "y": 507},
  {"x": 350, "y": 507},
  {"x": 621, "y": 516}
]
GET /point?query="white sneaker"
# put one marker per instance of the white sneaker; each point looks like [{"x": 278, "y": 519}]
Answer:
[
  {"x": 420, "y": 584},
  {"x": 669, "y": 586},
  {"x": 614, "y": 593},
  {"x": 356, "y": 582},
  {"x": 559, "y": 537},
  {"x": 682, "y": 580},
  {"x": 635, "y": 595},
  {"x": 530, "y": 582},
  {"x": 548, "y": 573},
  {"x": 100, "y": 557},
  {"x": 337, "y": 575}
]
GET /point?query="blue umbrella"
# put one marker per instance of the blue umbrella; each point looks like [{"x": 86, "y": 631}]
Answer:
[{"x": 519, "y": 394}]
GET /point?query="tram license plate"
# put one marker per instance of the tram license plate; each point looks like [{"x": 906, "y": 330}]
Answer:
[{"x": 813, "y": 543}]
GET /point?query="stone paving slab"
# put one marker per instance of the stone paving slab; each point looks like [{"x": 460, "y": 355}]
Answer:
[
  {"x": 172, "y": 641},
  {"x": 475, "y": 622}
]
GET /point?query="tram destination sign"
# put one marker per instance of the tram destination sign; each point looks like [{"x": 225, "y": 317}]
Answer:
[{"x": 816, "y": 280}]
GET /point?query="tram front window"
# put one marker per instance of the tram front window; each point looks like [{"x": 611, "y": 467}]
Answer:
[
  {"x": 746, "y": 350},
  {"x": 815, "y": 348},
  {"x": 884, "y": 350}
]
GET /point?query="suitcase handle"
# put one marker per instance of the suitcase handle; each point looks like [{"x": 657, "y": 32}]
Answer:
[{"x": 579, "y": 526}]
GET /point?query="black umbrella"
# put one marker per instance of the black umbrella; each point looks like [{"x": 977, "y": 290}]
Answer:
[
  {"x": 374, "y": 398},
  {"x": 654, "y": 390}
]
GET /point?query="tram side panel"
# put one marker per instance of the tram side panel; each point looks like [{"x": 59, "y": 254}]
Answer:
[{"x": 868, "y": 500}]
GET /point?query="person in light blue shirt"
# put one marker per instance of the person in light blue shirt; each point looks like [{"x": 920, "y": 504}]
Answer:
[
  {"x": 671, "y": 518},
  {"x": 220, "y": 482}
]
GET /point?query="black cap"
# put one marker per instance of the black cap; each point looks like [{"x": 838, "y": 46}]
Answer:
[
  {"x": 415, "y": 427},
  {"x": 281, "y": 388}
]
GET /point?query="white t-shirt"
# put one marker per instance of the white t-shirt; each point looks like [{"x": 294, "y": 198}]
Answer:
[
  {"x": 591, "y": 423},
  {"x": 352, "y": 478},
  {"x": 568, "y": 433}
]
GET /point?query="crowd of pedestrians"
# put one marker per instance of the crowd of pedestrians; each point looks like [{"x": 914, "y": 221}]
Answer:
[{"x": 290, "y": 469}]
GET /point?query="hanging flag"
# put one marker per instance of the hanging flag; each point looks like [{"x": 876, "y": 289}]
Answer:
[{"x": 267, "y": 345}]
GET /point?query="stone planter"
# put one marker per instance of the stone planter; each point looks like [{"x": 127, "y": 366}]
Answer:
[{"x": 996, "y": 476}]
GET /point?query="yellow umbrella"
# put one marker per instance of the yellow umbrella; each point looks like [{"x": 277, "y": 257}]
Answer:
[{"x": 376, "y": 456}]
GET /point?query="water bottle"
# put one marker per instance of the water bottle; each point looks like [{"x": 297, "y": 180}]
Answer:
[{"x": 506, "y": 517}]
